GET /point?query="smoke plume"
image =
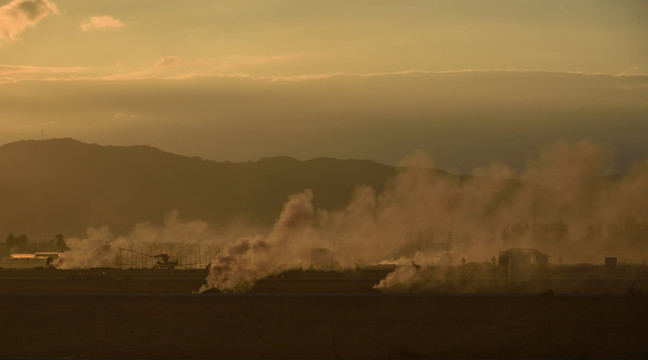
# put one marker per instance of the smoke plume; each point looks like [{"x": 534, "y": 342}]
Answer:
[
  {"x": 566, "y": 203},
  {"x": 190, "y": 243},
  {"x": 287, "y": 245}
]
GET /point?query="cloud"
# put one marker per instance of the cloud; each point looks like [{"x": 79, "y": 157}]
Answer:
[
  {"x": 19, "y": 15},
  {"x": 101, "y": 22},
  {"x": 182, "y": 74},
  {"x": 16, "y": 73},
  {"x": 167, "y": 61},
  {"x": 126, "y": 116},
  {"x": 16, "y": 69},
  {"x": 143, "y": 75}
]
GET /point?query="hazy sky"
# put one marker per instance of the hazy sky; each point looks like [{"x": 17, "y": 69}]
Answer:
[{"x": 240, "y": 80}]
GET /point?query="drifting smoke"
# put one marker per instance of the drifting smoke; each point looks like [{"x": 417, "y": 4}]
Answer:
[
  {"x": 100, "y": 247},
  {"x": 427, "y": 217},
  {"x": 91, "y": 251},
  {"x": 563, "y": 204},
  {"x": 287, "y": 245}
]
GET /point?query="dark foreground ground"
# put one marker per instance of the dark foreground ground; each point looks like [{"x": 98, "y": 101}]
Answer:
[{"x": 322, "y": 326}]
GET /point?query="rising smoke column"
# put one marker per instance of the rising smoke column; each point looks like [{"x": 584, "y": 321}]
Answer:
[
  {"x": 555, "y": 200},
  {"x": 560, "y": 204},
  {"x": 287, "y": 245}
]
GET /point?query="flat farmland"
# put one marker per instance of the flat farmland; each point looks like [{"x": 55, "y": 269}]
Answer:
[{"x": 329, "y": 326}]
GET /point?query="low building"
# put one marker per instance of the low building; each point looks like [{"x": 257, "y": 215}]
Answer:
[{"x": 30, "y": 260}]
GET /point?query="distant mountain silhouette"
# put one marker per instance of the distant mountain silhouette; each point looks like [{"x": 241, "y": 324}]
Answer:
[{"x": 64, "y": 186}]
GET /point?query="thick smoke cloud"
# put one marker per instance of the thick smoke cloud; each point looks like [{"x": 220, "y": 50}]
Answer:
[
  {"x": 566, "y": 207},
  {"x": 565, "y": 204},
  {"x": 92, "y": 251},
  {"x": 288, "y": 245},
  {"x": 191, "y": 243},
  {"x": 19, "y": 15}
]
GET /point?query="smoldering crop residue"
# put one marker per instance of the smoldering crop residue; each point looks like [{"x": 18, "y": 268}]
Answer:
[
  {"x": 564, "y": 203},
  {"x": 552, "y": 205}
]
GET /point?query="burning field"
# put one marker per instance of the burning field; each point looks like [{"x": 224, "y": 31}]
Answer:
[
  {"x": 549, "y": 262},
  {"x": 558, "y": 206}
]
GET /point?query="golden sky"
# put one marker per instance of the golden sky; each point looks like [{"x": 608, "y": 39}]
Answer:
[
  {"x": 239, "y": 80},
  {"x": 292, "y": 37}
]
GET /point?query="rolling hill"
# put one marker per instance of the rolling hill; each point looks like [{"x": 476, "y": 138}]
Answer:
[{"x": 64, "y": 186}]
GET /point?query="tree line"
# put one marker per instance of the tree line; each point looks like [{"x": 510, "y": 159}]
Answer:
[{"x": 21, "y": 244}]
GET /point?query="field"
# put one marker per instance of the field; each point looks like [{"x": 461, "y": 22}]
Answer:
[
  {"x": 103, "y": 313},
  {"x": 322, "y": 326}
]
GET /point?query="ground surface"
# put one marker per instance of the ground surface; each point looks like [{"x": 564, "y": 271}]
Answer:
[{"x": 321, "y": 326}]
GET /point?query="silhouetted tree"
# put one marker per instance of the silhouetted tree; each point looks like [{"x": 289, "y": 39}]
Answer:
[
  {"x": 12, "y": 241},
  {"x": 60, "y": 242}
]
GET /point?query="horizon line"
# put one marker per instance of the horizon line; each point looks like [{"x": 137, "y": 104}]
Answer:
[{"x": 151, "y": 75}]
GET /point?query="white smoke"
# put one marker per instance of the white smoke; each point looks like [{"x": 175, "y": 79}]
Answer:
[
  {"x": 562, "y": 204},
  {"x": 96, "y": 250},
  {"x": 287, "y": 245},
  {"x": 191, "y": 243},
  {"x": 552, "y": 210}
]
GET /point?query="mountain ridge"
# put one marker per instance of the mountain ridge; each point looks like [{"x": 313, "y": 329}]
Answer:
[{"x": 64, "y": 186}]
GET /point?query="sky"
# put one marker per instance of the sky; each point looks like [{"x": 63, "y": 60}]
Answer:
[{"x": 470, "y": 82}]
